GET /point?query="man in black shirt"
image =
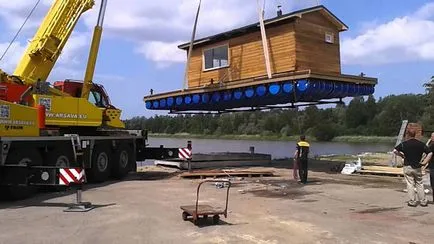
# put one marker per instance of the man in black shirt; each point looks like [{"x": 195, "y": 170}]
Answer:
[
  {"x": 301, "y": 154},
  {"x": 431, "y": 165},
  {"x": 412, "y": 151}
]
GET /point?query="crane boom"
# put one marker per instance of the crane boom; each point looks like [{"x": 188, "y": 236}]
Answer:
[
  {"x": 93, "y": 53},
  {"x": 47, "y": 44}
]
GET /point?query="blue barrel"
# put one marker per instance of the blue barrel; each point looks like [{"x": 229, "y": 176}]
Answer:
[
  {"x": 238, "y": 94},
  {"x": 328, "y": 90},
  {"x": 302, "y": 85},
  {"x": 249, "y": 92},
  {"x": 316, "y": 89},
  {"x": 307, "y": 90},
  {"x": 178, "y": 100},
  {"x": 360, "y": 90},
  {"x": 155, "y": 104},
  {"x": 227, "y": 96},
  {"x": 337, "y": 90},
  {"x": 205, "y": 98},
  {"x": 187, "y": 99},
  {"x": 261, "y": 90},
  {"x": 170, "y": 101},
  {"x": 216, "y": 97},
  {"x": 353, "y": 90},
  {"x": 274, "y": 89},
  {"x": 148, "y": 105},
  {"x": 288, "y": 87},
  {"x": 196, "y": 98},
  {"x": 163, "y": 103},
  {"x": 345, "y": 89}
]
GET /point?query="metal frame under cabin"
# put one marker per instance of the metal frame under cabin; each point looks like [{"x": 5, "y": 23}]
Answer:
[{"x": 259, "y": 108}]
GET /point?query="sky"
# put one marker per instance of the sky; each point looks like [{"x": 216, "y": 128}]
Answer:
[{"x": 392, "y": 40}]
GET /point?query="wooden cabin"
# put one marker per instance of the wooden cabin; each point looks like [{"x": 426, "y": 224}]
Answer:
[
  {"x": 305, "y": 40},
  {"x": 230, "y": 70}
]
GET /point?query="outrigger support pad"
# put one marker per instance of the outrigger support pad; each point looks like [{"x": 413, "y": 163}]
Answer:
[{"x": 78, "y": 205}]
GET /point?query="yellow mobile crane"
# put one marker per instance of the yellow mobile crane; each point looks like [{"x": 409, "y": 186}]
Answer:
[
  {"x": 69, "y": 123},
  {"x": 66, "y": 103}
]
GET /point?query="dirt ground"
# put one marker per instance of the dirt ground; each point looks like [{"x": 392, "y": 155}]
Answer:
[{"x": 145, "y": 208}]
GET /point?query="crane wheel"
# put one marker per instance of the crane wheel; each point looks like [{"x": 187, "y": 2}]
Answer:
[
  {"x": 122, "y": 161},
  {"x": 22, "y": 156},
  {"x": 100, "y": 168},
  {"x": 61, "y": 157}
]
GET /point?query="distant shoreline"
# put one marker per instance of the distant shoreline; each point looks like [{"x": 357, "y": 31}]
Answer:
[{"x": 349, "y": 139}]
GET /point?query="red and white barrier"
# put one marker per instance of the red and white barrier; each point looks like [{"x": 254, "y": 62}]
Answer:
[
  {"x": 68, "y": 176},
  {"x": 184, "y": 153}
]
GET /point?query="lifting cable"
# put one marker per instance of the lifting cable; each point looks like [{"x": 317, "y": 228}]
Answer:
[
  {"x": 296, "y": 108},
  {"x": 19, "y": 30},
  {"x": 190, "y": 49}
]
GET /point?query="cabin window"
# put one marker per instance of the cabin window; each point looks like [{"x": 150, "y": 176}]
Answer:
[
  {"x": 216, "y": 57},
  {"x": 329, "y": 37}
]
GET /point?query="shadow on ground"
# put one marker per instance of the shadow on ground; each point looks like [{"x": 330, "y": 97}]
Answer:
[{"x": 38, "y": 196}]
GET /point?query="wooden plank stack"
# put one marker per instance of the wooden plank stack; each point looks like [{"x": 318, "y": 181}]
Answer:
[{"x": 381, "y": 170}]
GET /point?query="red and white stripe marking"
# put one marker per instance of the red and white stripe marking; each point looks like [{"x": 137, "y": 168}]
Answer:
[
  {"x": 184, "y": 153},
  {"x": 68, "y": 176}
]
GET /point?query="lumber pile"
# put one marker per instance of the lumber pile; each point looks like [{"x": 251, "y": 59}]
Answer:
[
  {"x": 224, "y": 173},
  {"x": 381, "y": 170}
]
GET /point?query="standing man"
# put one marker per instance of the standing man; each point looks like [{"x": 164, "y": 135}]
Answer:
[
  {"x": 301, "y": 155},
  {"x": 431, "y": 165},
  {"x": 412, "y": 151}
]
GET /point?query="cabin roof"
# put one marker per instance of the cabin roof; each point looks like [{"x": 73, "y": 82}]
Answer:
[{"x": 255, "y": 27}]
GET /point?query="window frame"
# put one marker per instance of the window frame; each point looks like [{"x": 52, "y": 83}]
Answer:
[
  {"x": 332, "y": 35},
  {"x": 204, "y": 69}
]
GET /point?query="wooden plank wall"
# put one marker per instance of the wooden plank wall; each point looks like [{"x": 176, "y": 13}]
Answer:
[
  {"x": 312, "y": 51},
  {"x": 247, "y": 58},
  {"x": 293, "y": 46}
]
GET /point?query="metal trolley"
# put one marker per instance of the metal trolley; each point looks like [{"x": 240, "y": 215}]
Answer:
[{"x": 198, "y": 210}]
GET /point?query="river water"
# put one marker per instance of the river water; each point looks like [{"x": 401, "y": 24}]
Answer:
[{"x": 277, "y": 149}]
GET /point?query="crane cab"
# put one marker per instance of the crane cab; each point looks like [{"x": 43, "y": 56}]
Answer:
[
  {"x": 95, "y": 112},
  {"x": 98, "y": 96}
]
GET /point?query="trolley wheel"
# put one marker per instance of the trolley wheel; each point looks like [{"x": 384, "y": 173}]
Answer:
[
  {"x": 215, "y": 219},
  {"x": 185, "y": 216},
  {"x": 205, "y": 216}
]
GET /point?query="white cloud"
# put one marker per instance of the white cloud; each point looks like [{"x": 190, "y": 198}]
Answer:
[
  {"x": 172, "y": 20},
  {"x": 157, "y": 26},
  {"x": 14, "y": 13},
  {"x": 149, "y": 24},
  {"x": 163, "y": 53},
  {"x": 76, "y": 49},
  {"x": 426, "y": 11},
  {"x": 14, "y": 54},
  {"x": 408, "y": 38}
]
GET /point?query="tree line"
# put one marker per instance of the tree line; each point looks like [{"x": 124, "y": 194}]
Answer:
[{"x": 364, "y": 116}]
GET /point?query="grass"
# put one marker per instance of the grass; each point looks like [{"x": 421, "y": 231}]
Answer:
[
  {"x": 348, "y": 139},
  {"x": 366, "y": 139},
  {"x": 367, "y": 158}
]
